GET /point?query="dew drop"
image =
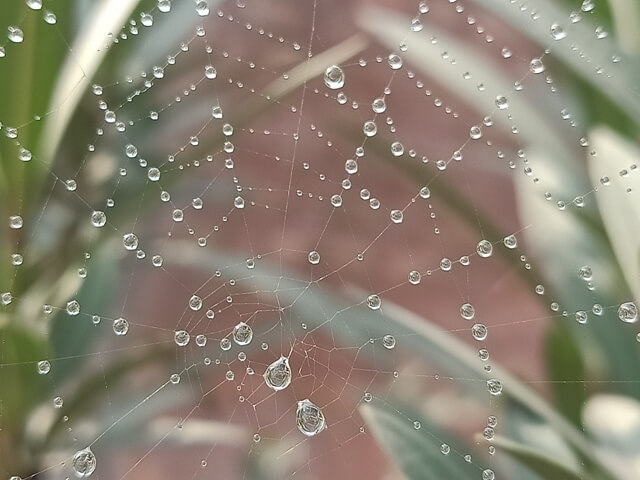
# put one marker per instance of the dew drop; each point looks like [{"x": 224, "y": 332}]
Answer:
[
  {"x": 84, "y": 463},
  {"x": 242, "y": 334},
  {"x": 278, "y": 375},
  {"x": 309, "y": 418},
  {"x": 334, "y": 77},
  {"x": 120, "y": 326}
]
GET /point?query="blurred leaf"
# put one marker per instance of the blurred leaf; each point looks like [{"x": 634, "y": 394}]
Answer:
[
  {"x": 21, "y": 386},
  {"x": 87, "y": 53},
  {"x": 89, "y": 391},
  {"x": 390, "y": 28},
  {"x": 618, "y": 83},
  {"x": 416, "y": 451},
  {"x": 619, "y": 209},
  {"x": 563, "y": 241},
  {"x": 614, "y": 421},
  {"x": 626, "y": 19},
  {"x": 564, "y": 363},
  {"x": 546, "y": 466},
  {"x": 352, "y": 325},
  {"x": 72, "y": 337}
]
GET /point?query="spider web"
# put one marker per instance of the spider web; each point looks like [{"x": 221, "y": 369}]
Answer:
[{"x": 289, "y": 218}]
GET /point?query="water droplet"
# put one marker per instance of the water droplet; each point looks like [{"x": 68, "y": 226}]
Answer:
[
  {"x": 120, "y": 326},
  {"x": 24, "y": 155},
  {"x": 445, "y": 449},
  {"x": 58, "y": 402},
  {"x": 146, "y": 19},
  {"x": 581, "y": 317},
  {"x": 202, "y": 8},
  {"x": 44, "y": 367},
  {"x": 395, "y": 61},
  {"x": 536, "y": 66},
  {"x": 314, "y": 257},
  {"x": 414, "y": 277},
  {"x": 50, "y": 17},
  {"x": 467, "y": 311},
  {"x": 484, "y": 248},
  {"x": 130, "y": 241},
  {"x": 588, "y": 5},
  {"x": 309, "y": 418},
  {"x": 488, "y": 474},
  {"x": 277, "y": 376},
  {"x": 131, "y": 151},
  {"x": 181, "y": 337},
  {"x": 15, "y": 222},
  {"x": 369, "y": 128},
  {"x": 585, "y": 273},
  {"x": 374, "y": 302},
  {"x": 389, "y": 342},
  {"x": 195, "y": 303},
  {"x": 379, "y": 105},
  {"x": 479, "y": 331},
  {"x": 558, "y": 32},
  {"x": 98, "y": 218},
  {"x": 73, "y": 308},
  {"x": 475, "y": 132},
  {"x": 501, "y": 102},
  {"x": 84, "y": 463},
  {"x": 164, "y": 6},
  {"x": 34, "y": 4},
  {"x": 494, "y": 386},
  {"x": 396, "y": 216},
  {"x": 225, "y": 344},
  {"x": 15, "y": 34},
  {"x": 510, "y": 241},
  {"x": 397, "y": 149},
  {"x": 334, "y": 77},
  {"x": 242, "y": 334},
  {"x": 628, "y": 312},
  {"x": 238, "y": 202}
]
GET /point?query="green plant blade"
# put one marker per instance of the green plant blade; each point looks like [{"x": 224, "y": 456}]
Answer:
[
  {"x": 390, "y": 29},
  {"x": 545, "y": 466},
  {"x": 415, "y": 451},
  {"x": 88, "y": 52},
  {"x": 566, "y": 370},
  {"x": 620, "y": 211},
  {"x": 72, "y": 336},
  {"x": 614, "y": 420},
  {"x": 582, "y": 51}
]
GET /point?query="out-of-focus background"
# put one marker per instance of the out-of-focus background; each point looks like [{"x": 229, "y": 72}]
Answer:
[{"x": 421, "y": 217}]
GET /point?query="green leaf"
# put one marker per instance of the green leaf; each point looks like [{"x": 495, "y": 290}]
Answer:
[
  {"x": 626, "y": 20},
  {"x": 619, "y": 210},
  {"x": 20, "y": 388},
  {"x": 390, "y": 29},
  {"x": 547, "y": 467},
  {"x": 566, "y": 372},
  {"x": 72, "y": 337},
  {"x": 563, "y": 241},
  {"x": 581, "y": 50},
  {"x": 416, "y": 451},
  {"x": 614, "y": 421},
  {"x": 87, "y": 54}
]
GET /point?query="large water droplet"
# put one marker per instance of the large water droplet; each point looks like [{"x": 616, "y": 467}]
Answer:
[
  {"x": 278, "y": 375},
  {"x": 120, "y": 326},
  {"x": 628, "y": 312},
  {"x": 334, "y": 77},
  {"x": 309, "y": 418},
  {"x": 15, "y": 34},
  {"x": 84, "y": 463},
  {"x": 242, "y": 334},
  {"x": 130, "y": 241}
]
